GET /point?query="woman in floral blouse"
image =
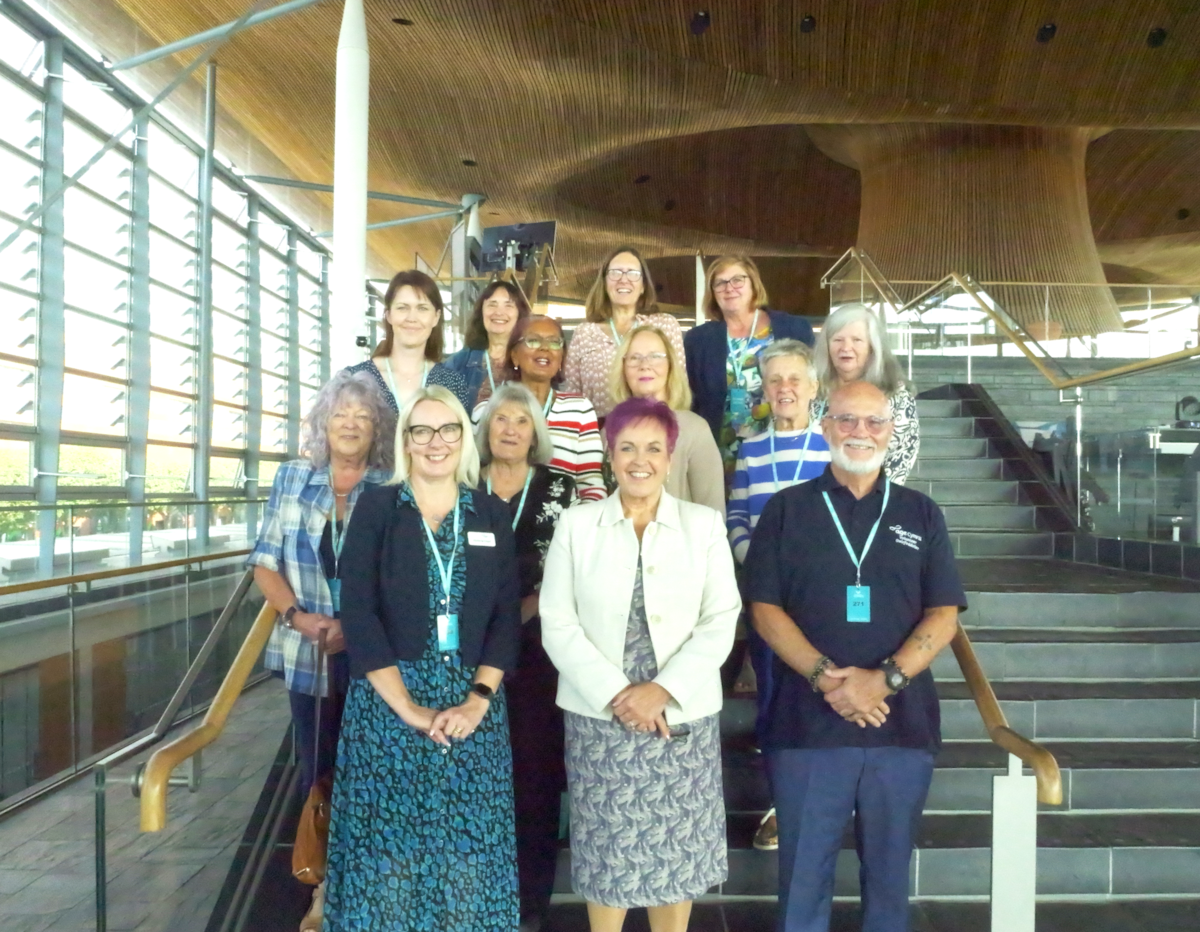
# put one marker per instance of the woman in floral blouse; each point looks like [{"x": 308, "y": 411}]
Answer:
[{"x": 515, "y": 447}]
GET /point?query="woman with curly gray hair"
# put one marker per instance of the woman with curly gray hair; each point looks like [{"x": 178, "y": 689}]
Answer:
[{"x": 347, "y": 443}]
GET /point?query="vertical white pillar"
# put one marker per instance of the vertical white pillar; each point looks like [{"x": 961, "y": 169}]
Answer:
[
  {"x": 1014, "y": 850},
  {"x": 350, "y": 134},
  {"x": 699, "y": 289}
]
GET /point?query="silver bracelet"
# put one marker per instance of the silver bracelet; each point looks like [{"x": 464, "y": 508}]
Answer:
[{"x": 817, "y": 671}]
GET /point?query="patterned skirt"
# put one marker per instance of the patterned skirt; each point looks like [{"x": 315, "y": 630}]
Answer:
[
  {"x": 647, "y": 814},
  {"x": 421, "y": 836}
]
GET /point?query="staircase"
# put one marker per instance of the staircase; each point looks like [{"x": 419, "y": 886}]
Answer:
[{"x": 1101, "y": 666}]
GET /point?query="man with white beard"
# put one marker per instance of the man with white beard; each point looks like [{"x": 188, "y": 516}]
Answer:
[{"x": 853, "y": 584}]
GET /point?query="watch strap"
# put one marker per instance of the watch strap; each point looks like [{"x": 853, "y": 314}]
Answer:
[
  {"x": 287, "y": 617},
  {"x": 482, "y": 689}
]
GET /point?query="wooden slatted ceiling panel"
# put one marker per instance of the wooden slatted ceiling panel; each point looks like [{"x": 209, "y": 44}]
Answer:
[{"x": 544, "y": 94}]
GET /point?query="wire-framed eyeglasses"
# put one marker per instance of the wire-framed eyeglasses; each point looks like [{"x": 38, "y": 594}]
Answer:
[{"x": 848, "y": 423}]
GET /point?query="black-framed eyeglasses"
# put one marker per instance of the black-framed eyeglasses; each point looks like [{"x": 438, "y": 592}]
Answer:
[
  {"x": 735, "y": 281},
  {"x": 423, "y": 433},
  {"x": 537, "y": 343},
  {"x": 615, "y": 275}
]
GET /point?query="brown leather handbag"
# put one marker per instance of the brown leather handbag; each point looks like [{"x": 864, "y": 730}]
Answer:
[{"x": 312, "y": 834}]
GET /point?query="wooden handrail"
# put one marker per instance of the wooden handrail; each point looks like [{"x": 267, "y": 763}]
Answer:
[
  {"x": 121, "y": 571},
  {"x": 1045, "y": 767},
  {"x": 157, "y": 774}
]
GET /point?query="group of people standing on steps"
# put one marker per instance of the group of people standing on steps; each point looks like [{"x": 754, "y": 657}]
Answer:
[{"x": 529, "y": 565}]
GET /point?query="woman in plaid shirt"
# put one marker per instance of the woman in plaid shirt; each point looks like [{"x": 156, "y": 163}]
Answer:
[{"x": 347, "y": 443}]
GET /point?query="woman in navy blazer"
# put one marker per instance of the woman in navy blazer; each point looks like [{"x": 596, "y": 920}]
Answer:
[
  {"x": 720, "y": 354},
  {"x": 423, "y": 795}
]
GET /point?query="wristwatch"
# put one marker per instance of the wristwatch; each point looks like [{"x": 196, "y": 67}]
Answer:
[
  {"x": 482, "y": 689},
  {"x": 287, "y": 617},
  {"x": 893, "y": 676}
]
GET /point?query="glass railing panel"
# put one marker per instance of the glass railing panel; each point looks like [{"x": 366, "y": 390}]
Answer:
[{"x": 209, "y": 593}]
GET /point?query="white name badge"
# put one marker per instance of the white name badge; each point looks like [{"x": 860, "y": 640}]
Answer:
[{"x": 481, "y": 539}]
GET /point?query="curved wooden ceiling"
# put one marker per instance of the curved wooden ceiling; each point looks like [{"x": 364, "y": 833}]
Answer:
[{"x": 564, "y": 103}]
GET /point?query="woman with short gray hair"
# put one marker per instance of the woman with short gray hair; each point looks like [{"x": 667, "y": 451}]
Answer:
[
  {"x": 853, "y": 347},
  {"x": 346, "y": 445},
  {"x": 515, "y": 448}
]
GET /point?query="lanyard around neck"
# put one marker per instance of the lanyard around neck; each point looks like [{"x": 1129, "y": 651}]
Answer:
[
  {"x": 487, "y": 357},
  {"x": 524, "y": 492},
  {"x": 443, "y": 570},
  {"x": 390, "y": 377},
  {"x": 737, "y": 348},
  {"x": 799, "y": 462},
  {"x": 549, "y": 404},
  {"x": 612, "y": 325},
  {"x": 858, "y": 561},
  {"x": 338, "y": 540}
]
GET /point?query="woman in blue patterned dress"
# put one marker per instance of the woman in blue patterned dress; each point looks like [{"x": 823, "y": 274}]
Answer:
[
  {"x": 422, "y": 834},
  {"x": 638, "y": 605}
]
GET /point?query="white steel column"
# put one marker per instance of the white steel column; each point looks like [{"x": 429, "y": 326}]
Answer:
[
  {"x": 1014, "y": 850},
  {"x": 699, "y": 289},
  {"x": 350, "y": 135}
]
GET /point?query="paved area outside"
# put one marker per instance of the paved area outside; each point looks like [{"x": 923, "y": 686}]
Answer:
[{"x": 156, "y": 882}]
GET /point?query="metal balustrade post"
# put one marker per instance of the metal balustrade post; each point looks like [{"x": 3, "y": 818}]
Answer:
[
  {"x": 1078, "y": 457},
  {"x": 1014, "y": 850},
  {"x": 101, "y": 781}
]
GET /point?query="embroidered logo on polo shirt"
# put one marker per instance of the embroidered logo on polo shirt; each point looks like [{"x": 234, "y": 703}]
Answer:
[{"x": 906, "y": 538}]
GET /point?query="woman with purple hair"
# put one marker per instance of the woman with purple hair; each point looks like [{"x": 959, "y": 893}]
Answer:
[{"x": 638, "y": 606}]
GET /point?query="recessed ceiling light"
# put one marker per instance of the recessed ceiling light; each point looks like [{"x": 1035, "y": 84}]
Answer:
[
  {"x": 1046, "y": 32},
  {"x": 401, "y": 21},
  {"x": 493, "y": 213},
  {"x": 1182, "y": 214},
  {"x": 470, "y": 163},
  {"x": 1156, "y": 37},
  {"x": 641, "y": 179},
  {"x": 700, "y": 22},
  {"x": 808, "y": 24},
  {"x": 669, "y": 205}
]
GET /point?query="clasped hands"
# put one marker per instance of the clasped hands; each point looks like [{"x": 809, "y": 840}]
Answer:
[
  {"x": 641, "y": 707},
  {"x": 457, "y": 722},
  {"x": 855, "y": 694},
  {"x": 311, "y": 624}
]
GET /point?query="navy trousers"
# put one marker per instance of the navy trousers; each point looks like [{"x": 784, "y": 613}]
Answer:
[
  {"x": 817, "y": 792},
  {"x": 304, "y": 723}
]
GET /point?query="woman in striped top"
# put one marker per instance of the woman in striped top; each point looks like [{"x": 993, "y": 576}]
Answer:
[{"x": 535, "y": 355}]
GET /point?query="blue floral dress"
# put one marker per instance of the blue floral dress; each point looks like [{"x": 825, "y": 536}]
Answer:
[{"x": 421, "y": 836}]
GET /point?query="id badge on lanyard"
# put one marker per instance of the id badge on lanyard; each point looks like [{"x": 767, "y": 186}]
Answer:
[
  {"x": 858, "y": 596},
  {"x": 447, "y": 622},
  {"x": 447, "y": 632},
  {"x": 739, "y": 404}
]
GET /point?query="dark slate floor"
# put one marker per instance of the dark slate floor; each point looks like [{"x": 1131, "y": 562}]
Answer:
[{"x": 1023, "y": 574}]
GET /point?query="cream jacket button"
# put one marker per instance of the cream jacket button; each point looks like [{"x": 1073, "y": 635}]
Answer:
[
  {"x": 649, "y": 569},
  {"x": 656, "y": 618}
]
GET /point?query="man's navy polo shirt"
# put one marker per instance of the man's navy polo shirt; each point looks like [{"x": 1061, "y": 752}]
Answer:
[{"x": 797, "y": 561}]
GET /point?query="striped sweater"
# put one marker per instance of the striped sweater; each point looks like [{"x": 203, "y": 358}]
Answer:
[
  {"x": 578, "y": 450},
  {"x": 756, "y": 478}
]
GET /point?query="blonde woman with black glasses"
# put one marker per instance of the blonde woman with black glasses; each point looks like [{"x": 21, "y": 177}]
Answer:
[{"x": 422, "y": 831}]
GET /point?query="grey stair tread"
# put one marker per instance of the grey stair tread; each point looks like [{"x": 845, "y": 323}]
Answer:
[
  {"x": 989, "y": 516},
  {"x": 934, "y": 468},
  {"x": 1035, "y": 690},
  {"x": 1049, "y": 575},
  {"x": 1001, "y": 543},
  {"x": 1055, "y": 830},
  {"x": 1083, "y": 635},
  {"x": 953, "y": 447},
  {"x": 1089, "y": 755},
  {"x": 948, "y": 427},
  {"x": 969, "y": 491},
  {"x": 759, "y": 915}
]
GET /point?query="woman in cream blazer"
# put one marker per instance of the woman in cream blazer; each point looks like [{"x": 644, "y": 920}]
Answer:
[{"x": 638, "y": 606}]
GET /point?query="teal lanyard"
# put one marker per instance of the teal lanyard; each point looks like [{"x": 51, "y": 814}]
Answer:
[
  {"x": 338, "y": 540},
  {"x": 525, "y": 492},
  {"x": 391, "y": 379},
  {"x": 737, "y": 349},
  {"x": 549, "y": 404},
  {"x": 799, "y": 462},
  {"x": 858, "y": 561},
  {"x": 613, "y": 327},
  {"x": 444, "y": 571},
  {"x": 487, "y": 357}
]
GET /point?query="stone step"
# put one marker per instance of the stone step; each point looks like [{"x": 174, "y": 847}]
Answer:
[
  {"x": 1002, "y": 543},
  {"x": 990, "y": 517},
  {"x": 1076, "y": 719},
  {"x": 948, "y": 427},
  {"x": 969, "y": 492},
  {"x": 958, "y": 448},
  {"x": 1077, "y": 661},
  {"x": 1109, "y": 914},
  {"x": 1084, "y": 635},
  {"x": 1083, "y": 609},
  {"x": 932, "y": 468},
  {"x": 935, "y": 408}
]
